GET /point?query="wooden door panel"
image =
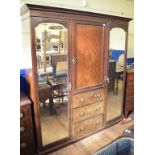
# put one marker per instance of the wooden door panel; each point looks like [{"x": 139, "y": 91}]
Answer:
[{"x": 89, "y": 55}]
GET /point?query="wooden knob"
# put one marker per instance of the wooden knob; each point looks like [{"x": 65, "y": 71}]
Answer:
[
  {"x": 21, "y": 115},
  {"x": 23, "y": 145},
  {"x": 22, "y": 129},
  {"x": 82, "y": 100}
]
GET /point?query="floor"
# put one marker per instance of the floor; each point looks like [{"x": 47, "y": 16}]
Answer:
[
  {"x": 91, "y": 144},
  {"x": 54, "y": 127},
  {"x": 114, "y": 103}
]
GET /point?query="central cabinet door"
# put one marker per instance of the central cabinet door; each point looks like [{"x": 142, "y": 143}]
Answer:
[
  {"x": 87, "y": 56},
  {"x": 88, "y": 100}
]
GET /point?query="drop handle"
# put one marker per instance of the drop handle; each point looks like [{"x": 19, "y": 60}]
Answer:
[
  {"x": 81, "y": 129},
  {"x": 98, "y": 123},
  {"x": 80, "y": 100},
  {"x": 81, "y": 114},
  {"x": 98, "y": 109},
  {"x": 73, "y": 61},
  {"x": 98, "y": 95}
]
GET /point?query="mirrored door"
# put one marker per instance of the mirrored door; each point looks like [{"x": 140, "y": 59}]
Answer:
[
  {"x": 115, "y": 76},
  {"x": 52, "y": 69}
]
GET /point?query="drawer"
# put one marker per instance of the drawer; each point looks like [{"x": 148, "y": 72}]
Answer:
[
  {"x": 27, "y": 146},
  {"x": 85, "y": 127},
  {"x": 87, "y": 111},
  {"x": 88, "y": 97}
]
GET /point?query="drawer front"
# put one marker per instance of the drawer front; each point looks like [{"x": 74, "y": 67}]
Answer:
[
  {"x": 87, "y": 111},
  {"x": 85, "y": 127},
  {"x": 26, "y": 126},
  {"x": 27, "y": 145},
  {"x": 88, "y": 97}
]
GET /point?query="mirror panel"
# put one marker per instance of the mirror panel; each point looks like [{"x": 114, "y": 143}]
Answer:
[
  {"x": 116, "y": 73},
  {"x": 52, "y": 69}
]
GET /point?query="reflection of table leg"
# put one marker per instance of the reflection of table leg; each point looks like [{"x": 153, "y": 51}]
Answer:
[
  {"x": 119, "y": 76},
  {"x": 52, "y": 107},
  {"x": 116, "y": 91}
]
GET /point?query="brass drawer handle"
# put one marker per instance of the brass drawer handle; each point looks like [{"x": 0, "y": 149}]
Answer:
[
  {"x": 80, "y": 100},
  {"x": 81, "y": 129},
  {"x": 98, "y": 95},
  {"x": 98, "y": 123},
  {"x": 23, "y": 145},
  {"x": 22, "y": 129},
  {"x": 81, "y": 114},
  {"x": 98, "y": 109},
  {"x": 21, "y": 115}
]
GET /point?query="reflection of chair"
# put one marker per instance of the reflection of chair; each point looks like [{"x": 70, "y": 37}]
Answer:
[
  {"x": 61, "y": 60},
  {"x": 59, "y": 76},
  {"x": 45, "y": 93},
  {"x": 44, "y": 89},
  {"x": 59, "y": 89}
]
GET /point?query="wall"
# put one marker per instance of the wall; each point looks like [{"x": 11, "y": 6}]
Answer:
[
  {"x": 124, "y": 8},
  {"x": 117, "y": 39}
]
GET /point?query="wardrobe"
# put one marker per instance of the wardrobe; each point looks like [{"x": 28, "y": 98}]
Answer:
[{"x": 68, "y": 54}]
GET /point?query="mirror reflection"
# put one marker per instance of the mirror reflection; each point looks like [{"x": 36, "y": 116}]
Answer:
[
  {"x": 115, "y": 73},
  {"x": 51, "y": 52}
]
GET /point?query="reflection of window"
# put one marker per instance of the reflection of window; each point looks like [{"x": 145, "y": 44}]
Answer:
[
  {"x": 51, "y": 39},
  {"x": 117, "y": 39}
]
